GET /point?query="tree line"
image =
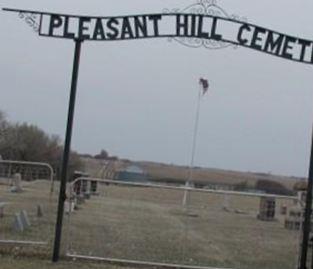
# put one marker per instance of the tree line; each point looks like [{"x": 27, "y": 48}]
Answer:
[{"x": 28, "y": 142}]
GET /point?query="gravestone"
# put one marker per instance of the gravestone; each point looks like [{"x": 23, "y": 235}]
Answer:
[
  {"x": 77, "y": 187},
  {"x": 226, "y": 203},
  {"x": 1, "y": 212},
  {"x": 2, "y": 205},
  {"x": 18, "y": 223},
  {"x": 39, "y": 211},
  {"x": 69, "y": 206},
  {"x": 16, "y": 183},
  {"x": 80, "y": 199},
  {"x": 85, "y": 186},
  {"x": 25, "y": 219},
  {"x": 94, "y": 187},
  {"x": 283, "y": 210},
  {"x": 267, "y": 209},
  {"x": 86, "y": 189}
]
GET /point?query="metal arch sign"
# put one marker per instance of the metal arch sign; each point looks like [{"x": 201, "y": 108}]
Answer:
[
  {"x": 201, "y": 24},
  {"x": 174, "y": 25}
]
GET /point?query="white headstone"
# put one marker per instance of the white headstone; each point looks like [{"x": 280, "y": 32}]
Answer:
[
  {"x": 226, "y": 202},
  {"x": 16, "y": 183},
  {"x": 69, "y": 206}
]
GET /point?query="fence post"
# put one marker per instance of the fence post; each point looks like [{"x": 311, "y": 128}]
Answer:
[
  {"x": 66, "y": 153},
  {"x": 307, "y": 215}
]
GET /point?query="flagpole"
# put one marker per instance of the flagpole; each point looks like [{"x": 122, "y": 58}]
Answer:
[{"x": 193, "y": 151}]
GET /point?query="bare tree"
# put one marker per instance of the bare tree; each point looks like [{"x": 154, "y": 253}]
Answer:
[{"x": 27, "y": 142}]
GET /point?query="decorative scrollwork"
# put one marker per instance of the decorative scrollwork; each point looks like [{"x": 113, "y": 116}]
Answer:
[
  {"x": 204, "y": 7},
  {"x": 30, "y": 19}
]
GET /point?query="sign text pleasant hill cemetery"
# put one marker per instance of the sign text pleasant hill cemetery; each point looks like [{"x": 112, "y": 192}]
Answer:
[{"x": 177, "y": 25}]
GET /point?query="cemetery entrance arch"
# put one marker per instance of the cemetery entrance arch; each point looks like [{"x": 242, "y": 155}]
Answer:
[{"x": 189, "y": 24}]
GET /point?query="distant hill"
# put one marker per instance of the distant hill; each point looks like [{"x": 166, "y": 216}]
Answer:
[
  {"x": 170, "y": 173},
  {"x": 159, "y": 171}
]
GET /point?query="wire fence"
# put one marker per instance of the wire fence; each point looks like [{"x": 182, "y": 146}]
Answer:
[{"x": 144, "y": 223}]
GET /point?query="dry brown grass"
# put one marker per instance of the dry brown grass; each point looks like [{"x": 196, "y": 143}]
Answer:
[
  {"x": 151, "y": 225},
  {"x": 13, "y": 262},
  {"x": 34, "y": 193}
]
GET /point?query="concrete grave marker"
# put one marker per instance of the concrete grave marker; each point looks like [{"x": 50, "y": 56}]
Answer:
[
  {"x": 39, "y": 211},
  {"x": 2, "y": 205},
  {"x": 18, "y": 224},
  {"x": 80, "y": 199},
  {"x": 94, "y": 187},
  {"x": 16, "y": 183},
  {"x": 25, "y": 219},
  {"x": 69, "y": 206}
]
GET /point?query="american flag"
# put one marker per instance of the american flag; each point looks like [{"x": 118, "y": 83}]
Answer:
[{"x": 205, "y": 85}]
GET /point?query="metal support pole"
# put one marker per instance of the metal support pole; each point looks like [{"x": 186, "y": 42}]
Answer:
[
  {"x": 66, "y": 153},
  {"x": 307, "y": 216}
]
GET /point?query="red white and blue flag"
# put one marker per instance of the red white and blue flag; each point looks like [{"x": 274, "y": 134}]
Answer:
[{"x": 205, "y": 85}]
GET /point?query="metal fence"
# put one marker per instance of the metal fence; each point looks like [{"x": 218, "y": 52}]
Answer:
[
  {"x": 27, "y": 204},
  {"x": 142, "y": 223},
  {"x": 29, "y": 171}
]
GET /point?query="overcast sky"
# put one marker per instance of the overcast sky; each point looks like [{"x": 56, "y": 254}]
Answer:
[{"x": 137, "y": 99}]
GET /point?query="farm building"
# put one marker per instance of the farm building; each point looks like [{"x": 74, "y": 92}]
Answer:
[{"x": 131, "y": 173}]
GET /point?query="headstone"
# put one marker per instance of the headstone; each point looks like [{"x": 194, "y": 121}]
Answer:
[
  {"x": 77, "y": 187},
  {"x": 292, "y": 223},
  {"x": 2, "y": 205},
  {"x": 94, "y": 187},
  {"x": 80, "y": 199},
  {"x": 226, "y": 202},
  {"x": 18, "y": 224},
  {"x": 75, "y": 203},
  {"x": 267, "y": 209},
  {"x": 1, "y": 212},
  {"x": 85, "y": 186},
  {"x": 88, "y": 187},
  {"x": 39, "y": 211},
  {"x": 69, "y": 206},
  {"x": 283, "y": 210},
  {"x": 16, "y": 183},
  {"x": 25, "y": 219}
]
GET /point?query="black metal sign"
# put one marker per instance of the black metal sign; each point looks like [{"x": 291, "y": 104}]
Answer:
[{"x": 175, "y": 25}]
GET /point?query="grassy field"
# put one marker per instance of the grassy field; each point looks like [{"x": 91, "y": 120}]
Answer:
[
  {"x": 34, "y": 193},
  {"x": 24, "y": 262},
  {"x": 151, "y": 225}
]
